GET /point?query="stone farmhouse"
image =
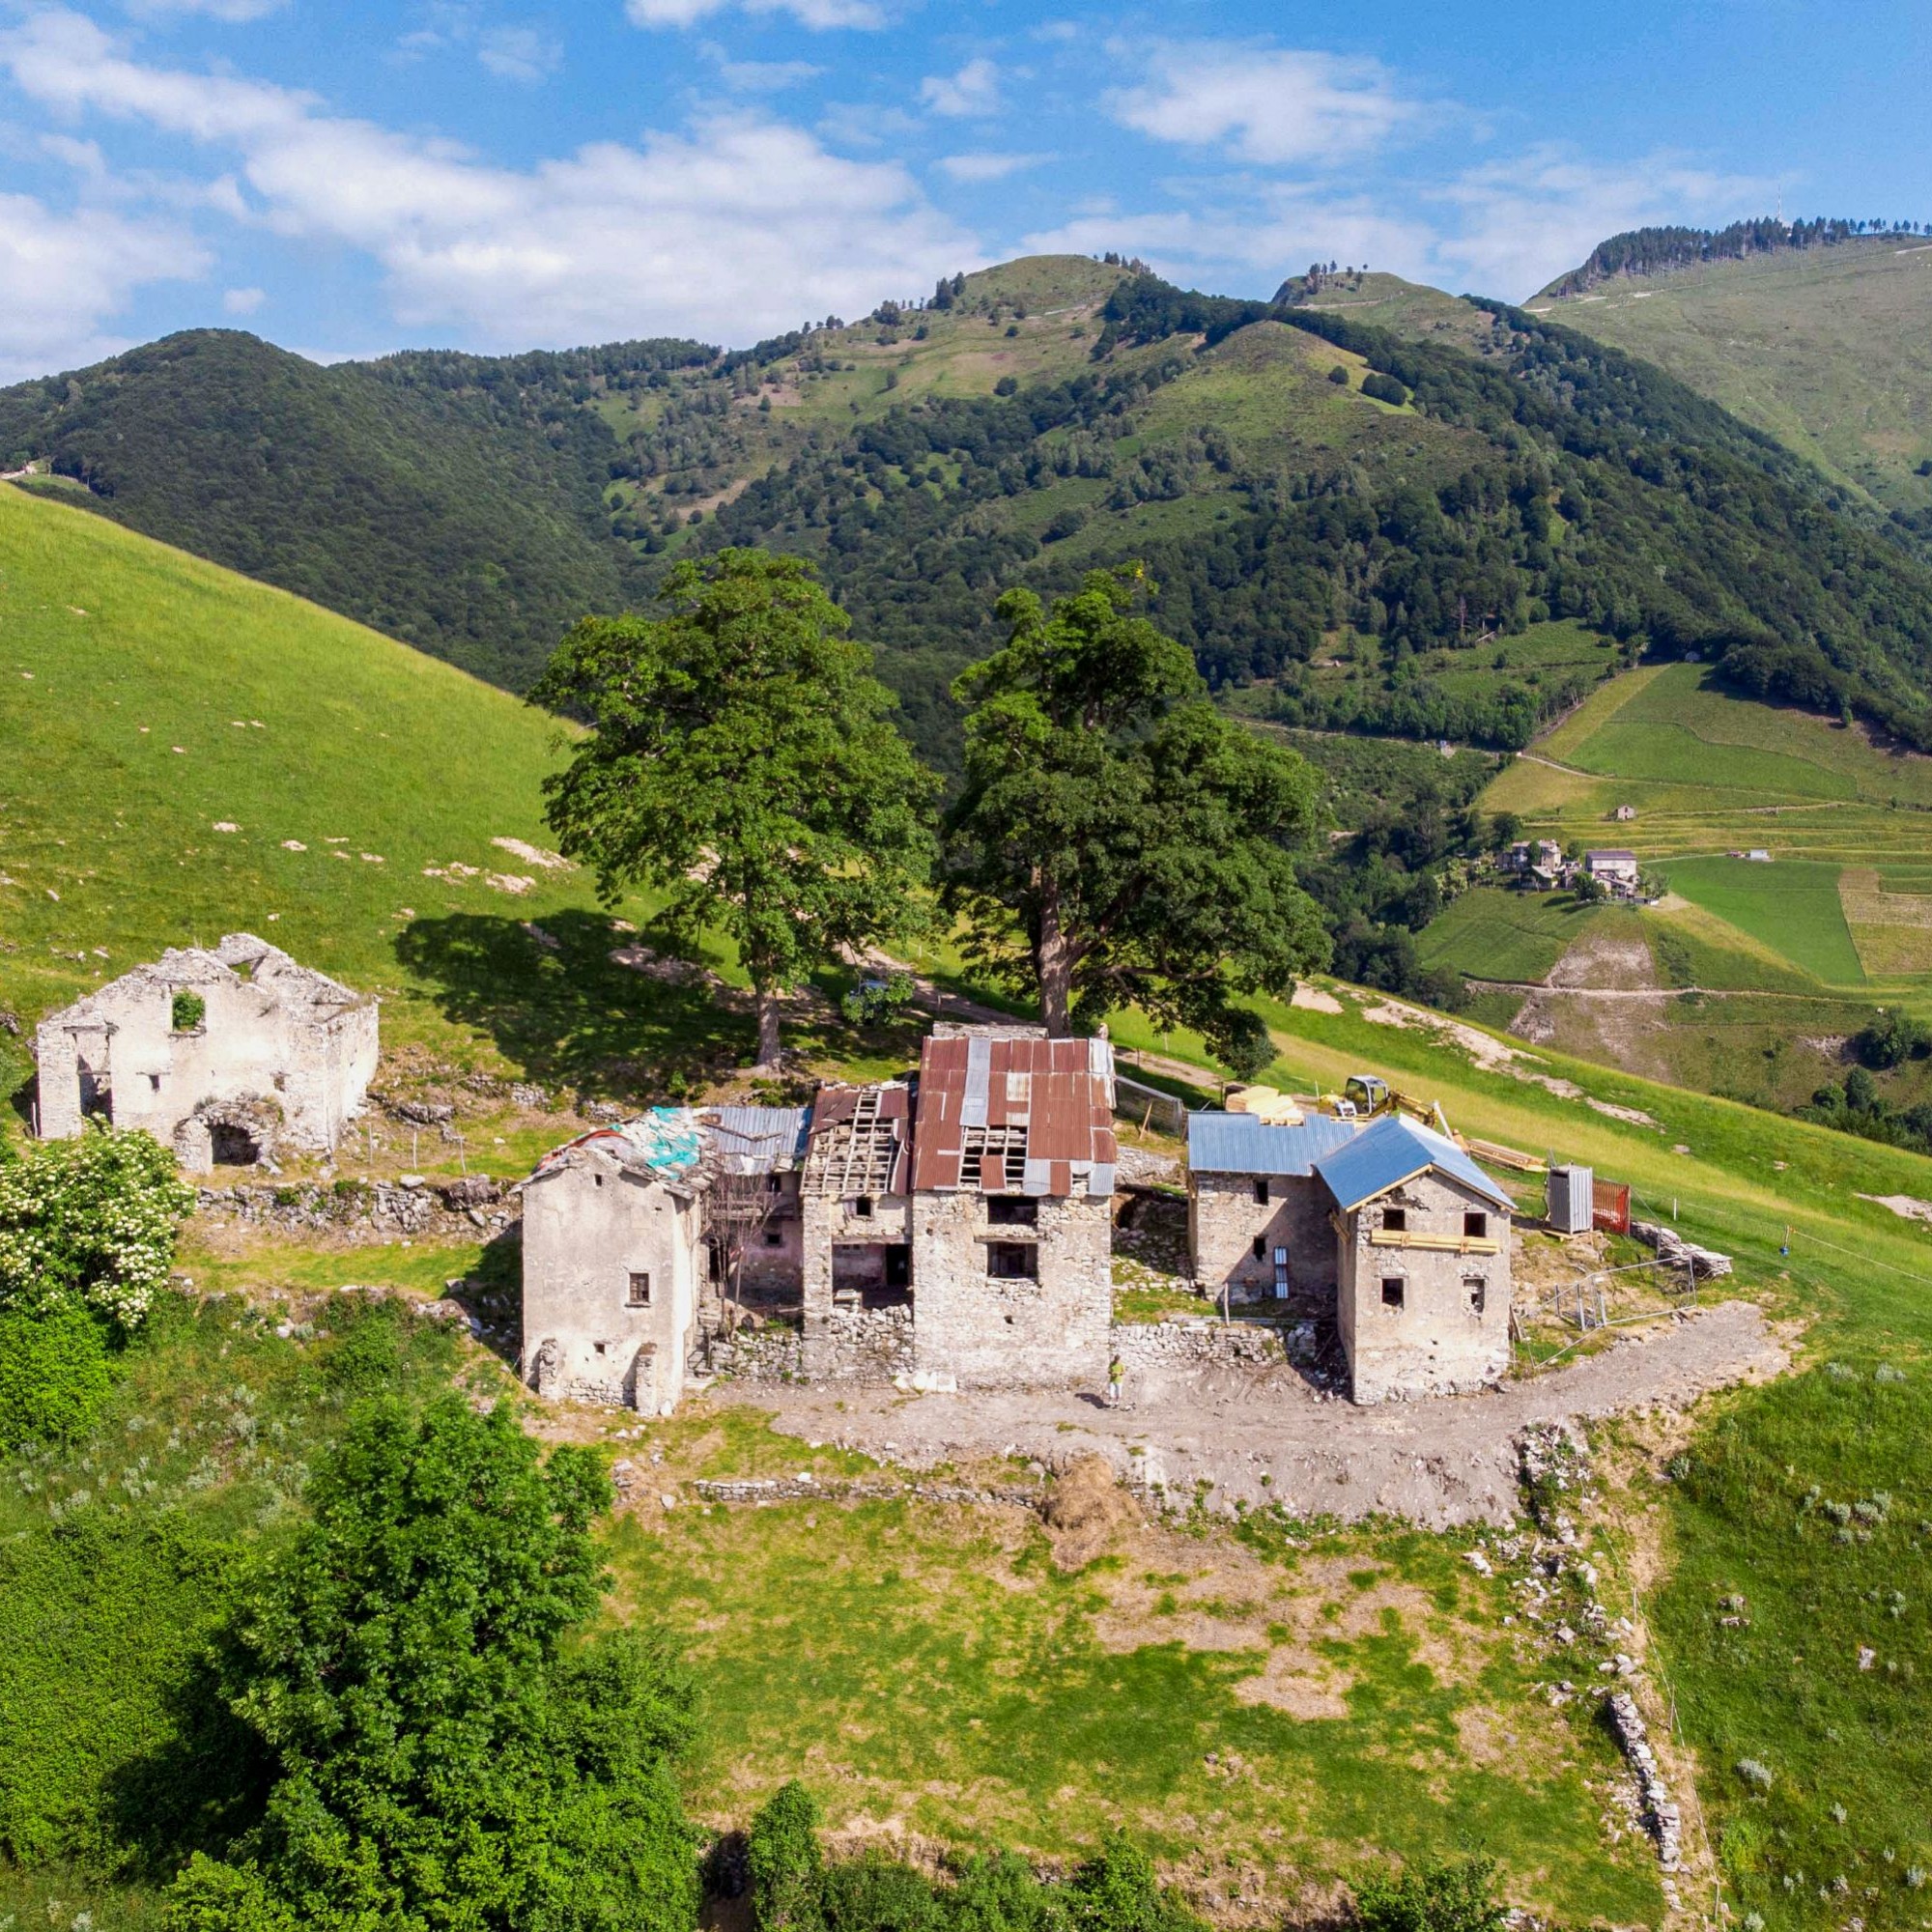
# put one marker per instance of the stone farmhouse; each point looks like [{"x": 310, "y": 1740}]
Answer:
[
  {"x": 1387, "y": 1228},
  {"x": 264, "y": 1053},
  {"x": 952, "y": 1230}
]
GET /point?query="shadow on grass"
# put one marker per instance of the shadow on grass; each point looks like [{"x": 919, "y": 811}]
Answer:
[{"x": 567, "y": 1014}]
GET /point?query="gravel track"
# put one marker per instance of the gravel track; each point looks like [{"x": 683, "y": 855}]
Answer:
[{"x": 1438, "y": 1462}]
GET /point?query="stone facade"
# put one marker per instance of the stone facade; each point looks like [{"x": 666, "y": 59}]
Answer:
[
  {"x": 610, "y": 1282},
  {"x": 1263, "y": 1237},
  {"x": 1424, "y": 1308},
  {"x": 280, "y": 1055},
  {"x": 1012, "y": 1291}
]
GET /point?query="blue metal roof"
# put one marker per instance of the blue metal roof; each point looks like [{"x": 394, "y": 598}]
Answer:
[
  {"x": 755, "y": 1140},
  {"x": 1243, "y": 1144},
  {"x": 1389, "y": 1152}
]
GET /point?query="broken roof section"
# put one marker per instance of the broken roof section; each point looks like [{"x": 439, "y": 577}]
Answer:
[
  {"x": 758, "y": 1139},
  {"x": 859, "y": 1141},
  {"x": 667, "y": 1143},
  {"x": 1007, "y": 1109},
  {"x": 240, "y": 959},
  {"x": 1396, "y": 1150}
]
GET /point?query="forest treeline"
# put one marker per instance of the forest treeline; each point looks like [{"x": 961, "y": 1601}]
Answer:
[{"x": 1650, "y": 251}]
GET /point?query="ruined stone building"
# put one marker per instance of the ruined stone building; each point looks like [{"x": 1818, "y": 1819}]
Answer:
[
  {"x": 950, "y": 1230},
  {"x": 223, "y": 1055},
  {"x": 1386, "y": 1228}
]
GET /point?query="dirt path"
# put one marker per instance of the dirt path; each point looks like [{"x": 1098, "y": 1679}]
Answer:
[{"x": 1440, "y": 1463}]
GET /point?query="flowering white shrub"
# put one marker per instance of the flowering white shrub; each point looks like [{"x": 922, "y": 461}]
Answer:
[{"x": 90, "y": 1221}]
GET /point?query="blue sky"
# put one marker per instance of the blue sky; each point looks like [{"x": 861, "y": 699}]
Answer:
[{"x": 346, "y": 176}]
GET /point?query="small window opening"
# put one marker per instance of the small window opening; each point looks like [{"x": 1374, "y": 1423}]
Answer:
[
  {"x": 602, "y": 1347},
  {"x": 773, "y": 1183},
  {"x": 639, "y": 1295},
  {"x": 155, "y": 1082},
  {"x": 1393, "y": 1290},
  {"x": 598, "y": 1179},
  {"x": 1476, "y": 1289},
  {"x": 1476, "y": 1226},
  {"x": 863, "y": 1207},
  {"x": 774, "y": 1237},
  {"x": 1261, "y": 1193},
  {"x": 1261, "y": 1247},
  {"x": 1012, "y": 1261},
  {"x": 1012, "y": 1210},
  {"x": 1395, "y": 1220}
]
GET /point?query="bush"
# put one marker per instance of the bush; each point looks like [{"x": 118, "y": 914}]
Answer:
[
  {"x": 879, "y": 1002},
  {"x": 1118, "y": 1891},
  {"x": 1891, "y": 1038},
  {"x": 1384, "y": 389},
  {"x": 90, "y": 1222},
  {"x": 1439, "y": 1895},
  {"x": 874, "y": 1894},
  {"x": 1008, "y": 385},
  {"x": 54, "y": 1374},
  {"x": 1339, "y": 375},
  {"x": 442, "y": 1747},
  {"x": 787, "y": 1867},
  {"x": 188, "y": 1012}
]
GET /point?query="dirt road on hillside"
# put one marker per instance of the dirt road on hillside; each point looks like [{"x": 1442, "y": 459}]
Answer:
[{"x": 1440, "y": 1461}]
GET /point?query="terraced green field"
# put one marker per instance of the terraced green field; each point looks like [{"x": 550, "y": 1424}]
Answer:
[
  {"x": 1792, "y": 906},
  {"x": 1847, "y": 822},
  {"x": 1491, "y": 934}
]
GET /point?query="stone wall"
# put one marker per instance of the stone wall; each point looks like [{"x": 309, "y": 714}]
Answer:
[
  {"x": 1443, "y": 1327},
  {"x": 1226, "y": 1218},
  {"x": 973, "y": 1330},
  {"x": 455, "y": 1209},
  {"x": 1247, "y": 1344}
]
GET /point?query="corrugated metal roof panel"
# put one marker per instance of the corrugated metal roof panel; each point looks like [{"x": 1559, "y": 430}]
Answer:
[
  {"x": 1000, "y": 1078},
  {"x": 756, "y": 1140},
  {"x": 1245, "y": 1143},
  {"x": 1389, "y": 1152}
]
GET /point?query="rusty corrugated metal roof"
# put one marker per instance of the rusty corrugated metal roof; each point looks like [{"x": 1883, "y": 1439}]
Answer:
[{"x": 1048, "y": 1102}]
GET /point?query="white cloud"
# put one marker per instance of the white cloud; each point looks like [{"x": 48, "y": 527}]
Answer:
[
  {"x": 519, "y": 53},
  {"x": 759, "y": 76},
  {"x": 67, "y": 275},
  {"x": 1268, "y": 105},
  {"x": 1520, "y": 223},
  {"x": 1504, "y": 229},
  {"x": 241, "y": 301},
  {"x": 986, "y": 167},
  {"x": 733, "y": 229},
  {"x": 974, "y": 90},
  {"x": 235, "y": 13},
  {"x": 818, "y": 13}
]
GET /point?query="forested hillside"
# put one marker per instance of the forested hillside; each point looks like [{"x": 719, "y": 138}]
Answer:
[{"x": 1356, "y": 523}]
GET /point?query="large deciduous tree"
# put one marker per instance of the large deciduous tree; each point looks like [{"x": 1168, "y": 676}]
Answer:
[
  {"x": 1117, "y": 842},
  {"x": 740, "y": 761},
  {"x": 439, "y": 1754}
]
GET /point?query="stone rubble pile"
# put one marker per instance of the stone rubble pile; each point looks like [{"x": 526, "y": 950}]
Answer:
[
  {"x": 1671, "y": 1247},
  {"x": 408, "y": 1205}
]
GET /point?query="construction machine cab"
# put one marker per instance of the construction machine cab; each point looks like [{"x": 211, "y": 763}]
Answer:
[{"x": 1368, "y": 1091}]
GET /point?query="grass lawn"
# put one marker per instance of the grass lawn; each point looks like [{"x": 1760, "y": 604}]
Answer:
[
  {"x": 1260, "y": 1723},
  {"x": 1791, "y": 904},
  {"x": 1492, "y": 934}
]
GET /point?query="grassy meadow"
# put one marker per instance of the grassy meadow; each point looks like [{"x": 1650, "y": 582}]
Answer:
[{"x": 1824, "y": 348}]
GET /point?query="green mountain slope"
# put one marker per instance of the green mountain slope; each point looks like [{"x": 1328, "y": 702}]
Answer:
[
  {"x": 184, "y": 753},
  {"x": 1364, "y": 474},
  {"x": 457, "y": 519},
  {"x": 1829, "y": 349}
]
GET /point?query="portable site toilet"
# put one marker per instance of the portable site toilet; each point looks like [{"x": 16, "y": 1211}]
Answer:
[{"x": 1570, "y": 1202}]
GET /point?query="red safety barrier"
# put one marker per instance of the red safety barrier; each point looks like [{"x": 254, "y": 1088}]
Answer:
[{"x": 1610, "y": 1207}]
